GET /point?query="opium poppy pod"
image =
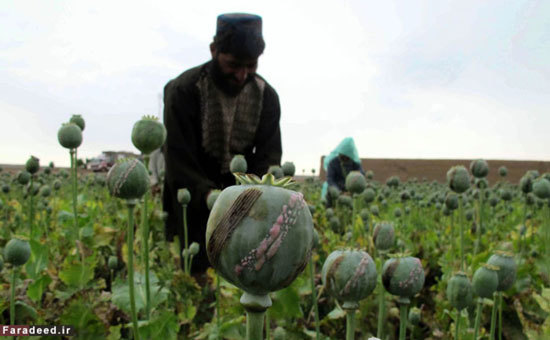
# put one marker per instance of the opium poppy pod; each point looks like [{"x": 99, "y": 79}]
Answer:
[
  {"x": 356, "y": 183},
  {"x": 289, "y": 169},
  {"x": 384, "y": 235},
  {"x": 78, "y": 120},
  {"x": 17, "y": 251},
  {"x": 148, "y": 134},
  {"x": 507, "y": 269},
  {"x": 403, "y": 276},
  {"x": 479, "y": 168},
  {"x": 238, "y": 164},
  {"x": 459, "y": 291},
  {"x": 69, "y": 136},
  {"x": 350, "y": 276},
  {"x": 458, "y": 179},
  {"x": 485, "y": 281},
  {"x": 32, "y": 165},
  {"x": 128, "y": 179},
  {"x": 259, "y": 235}
]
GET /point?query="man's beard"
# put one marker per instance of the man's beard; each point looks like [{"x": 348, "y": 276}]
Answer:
[{"x": 223, "y": 81}]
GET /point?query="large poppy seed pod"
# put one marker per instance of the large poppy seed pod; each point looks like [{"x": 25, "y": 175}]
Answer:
[
  {"x": 459, "y": 291},
  {"x": 503, "y": 171},
  {"x": 32, "y": 165},
  {"x": 403, "y": 276},
  {"x": 128, "y": 179},
  {"x": 47, "y": 171},
  {"x": 329, "y": 213},
  {"x": 364, "y": 214},
  {"x": 69, "y": 136},
  {"x": 458, "y": 179},
  {"x": 259, "y": 234},
  {"x": 384, "y": 235},
  {"x": 238, "y": 164},
  {"x": 479, "y": 168},
  {"x": 288, "y": 169},
  {"x": 541, "y": 188},
  {"x": 148, "y": 134},
  {"x": 507, "y": 269},
  {"x": 6, "y": 188},
  {"x": 17, "y": 252},
  {"x": 485, "y": 281},
  {"x": 78, "y": 120},
  {"x": 356, "y": 182},
  {"x": 405, "y": 195},
  {"x": 212, "y": 197},
  {"x": 350, "y": 276},
  {"x": 23, "y": 177},
  {"x": 184, "y": 196},
  {"x": 369, "y": 195},
  {"x": 451, "y": 201}
]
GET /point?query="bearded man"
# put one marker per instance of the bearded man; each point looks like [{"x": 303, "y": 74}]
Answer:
[{"x": 213, "y": 112}]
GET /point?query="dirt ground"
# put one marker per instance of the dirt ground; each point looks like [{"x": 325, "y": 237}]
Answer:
[{"x": 436, "y": 169}]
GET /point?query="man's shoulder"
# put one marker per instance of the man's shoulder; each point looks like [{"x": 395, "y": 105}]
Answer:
[
  {"x": 268, "y": 89},
  {"x": 187, "y": 79}
]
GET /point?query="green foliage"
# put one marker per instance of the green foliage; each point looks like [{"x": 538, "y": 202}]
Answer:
[{"x": 121, "y": 294}]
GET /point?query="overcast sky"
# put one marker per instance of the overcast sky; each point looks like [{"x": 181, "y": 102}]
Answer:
[{"x": 406, "y": 79}]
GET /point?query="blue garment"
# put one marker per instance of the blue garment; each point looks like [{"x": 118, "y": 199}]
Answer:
[{"x": 336, "y": 173}]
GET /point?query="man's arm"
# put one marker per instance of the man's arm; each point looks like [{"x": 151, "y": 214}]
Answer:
[{"x": 268, "y": 136}]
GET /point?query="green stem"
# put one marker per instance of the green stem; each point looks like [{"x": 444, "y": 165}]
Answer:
[
  {"x": 131, "y": 204},
  {"x": 314, "y": 297},
  {"x": 478, "y": 317},
  {"x": 145, "y": 237},
  {"x": 218, "y": 291},
  {"x": 254, "y": 325},
  {"x": 350, "y": 324},
  {"x": 31, "y": 207},
  {"x": 460, "y": 221},
  {"x": 403, "y": 321},
  {"x": 457, "y": 328},
  {"x": 493, "y": 317},
  {"x": 186, "y": 245},
  {"x": 499, "y": 315},
  {"x": 381, "y": 304},
  {"x": 12, "y": 295},
  {"x": 267, "y": 325},
  {"x": 480, "y": 225}
]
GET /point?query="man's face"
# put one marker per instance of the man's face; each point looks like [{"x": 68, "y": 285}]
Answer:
[{"x": 232, "y": 72}]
